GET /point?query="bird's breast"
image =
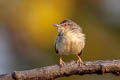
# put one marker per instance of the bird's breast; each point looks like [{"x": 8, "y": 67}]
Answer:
[{"x": 69, "y": 44}]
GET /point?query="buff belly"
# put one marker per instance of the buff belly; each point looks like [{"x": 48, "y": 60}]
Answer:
[{"x": 70, "y": 45}]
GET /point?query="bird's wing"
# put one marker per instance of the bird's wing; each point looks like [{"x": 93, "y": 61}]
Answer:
[
  {"x": 56, "y": 50},
  {"x": 81, "y": 52}
]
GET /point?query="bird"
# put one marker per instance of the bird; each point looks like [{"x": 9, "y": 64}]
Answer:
[{"x": 70, "y": 40}]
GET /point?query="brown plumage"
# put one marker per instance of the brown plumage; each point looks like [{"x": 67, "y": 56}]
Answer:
[{"x": 70, "y": 39}]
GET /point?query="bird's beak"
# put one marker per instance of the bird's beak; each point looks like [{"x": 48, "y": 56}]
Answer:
[{"x": 56, "y": 25}]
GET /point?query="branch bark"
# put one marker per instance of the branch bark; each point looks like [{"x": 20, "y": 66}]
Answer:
[{"x": 70, "y": 68}]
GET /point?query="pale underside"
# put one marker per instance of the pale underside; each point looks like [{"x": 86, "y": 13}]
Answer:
[{"x": 70, "y": 43}]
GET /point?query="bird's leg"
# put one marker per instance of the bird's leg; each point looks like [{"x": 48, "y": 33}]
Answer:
[
  {"x": 79, "y": 59},
  {"x": 61, "y": 61}
]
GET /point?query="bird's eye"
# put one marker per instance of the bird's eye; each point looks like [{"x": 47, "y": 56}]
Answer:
[{"x": 65, "y": 25}]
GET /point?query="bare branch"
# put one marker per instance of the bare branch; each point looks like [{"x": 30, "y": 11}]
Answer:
[{"x": 70, "y": 68}]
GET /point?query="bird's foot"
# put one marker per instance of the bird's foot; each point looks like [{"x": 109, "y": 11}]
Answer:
[
  {"x": 80, "y": 62},
  {"x": 61, "y": 62}
]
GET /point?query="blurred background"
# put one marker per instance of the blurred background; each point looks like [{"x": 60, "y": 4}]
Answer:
[{"x": 27, "y": 35}]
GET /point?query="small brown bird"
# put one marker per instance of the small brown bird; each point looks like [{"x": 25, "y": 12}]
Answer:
[{"x": 70, "y": 40}]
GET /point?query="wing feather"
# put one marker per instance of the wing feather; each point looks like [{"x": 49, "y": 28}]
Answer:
[{"x": 56, "y": 50}]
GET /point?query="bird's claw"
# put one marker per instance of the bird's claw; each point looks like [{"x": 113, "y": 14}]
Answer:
[
  {"x": 80, "y": 62},
  {"x": 61, "y": 62}
]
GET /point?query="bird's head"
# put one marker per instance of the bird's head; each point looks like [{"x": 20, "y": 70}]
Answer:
[{"x": 66, "y": 26}]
